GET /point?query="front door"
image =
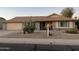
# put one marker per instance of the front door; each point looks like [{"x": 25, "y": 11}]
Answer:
[{"x": 44, "y": 24}]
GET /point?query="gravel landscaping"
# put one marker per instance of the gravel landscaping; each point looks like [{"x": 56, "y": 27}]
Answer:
[{"x": 55, "y": 35}]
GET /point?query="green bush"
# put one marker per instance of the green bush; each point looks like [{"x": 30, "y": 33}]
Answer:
[
  {"x": 72, "y": 31},
  {"x": 24, "y": 30},
  {"x": 29, "y": 27}
]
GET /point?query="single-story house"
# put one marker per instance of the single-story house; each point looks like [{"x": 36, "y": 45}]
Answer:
[{"x": 56, "y": 22}]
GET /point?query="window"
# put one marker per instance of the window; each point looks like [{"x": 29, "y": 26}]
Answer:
[{"x": 64, "y": 24}]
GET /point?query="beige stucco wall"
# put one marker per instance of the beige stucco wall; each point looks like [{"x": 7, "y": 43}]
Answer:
[
  {"x": 37, "y": 26},
  {"x": 53, "y": 25},
  {"x": 14, "y": 26},
  {"x": 72, "y": 24},
  {"x": 19, "y": 26}
]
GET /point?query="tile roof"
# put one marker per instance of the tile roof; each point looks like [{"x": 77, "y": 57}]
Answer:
[{"x": 52, "y": 17}]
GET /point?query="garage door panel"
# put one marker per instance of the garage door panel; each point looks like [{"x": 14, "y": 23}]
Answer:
[{"x": 14, "y": 26}]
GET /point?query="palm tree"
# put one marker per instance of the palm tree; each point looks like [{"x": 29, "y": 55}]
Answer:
[{"x": 68, "y": 12}]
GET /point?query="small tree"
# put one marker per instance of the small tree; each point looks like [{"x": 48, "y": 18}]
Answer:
[{"x": 29, "y": 27}]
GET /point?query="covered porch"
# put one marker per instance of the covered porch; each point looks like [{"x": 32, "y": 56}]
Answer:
[
  {"x": 57, "y": 25},
  {"x": 42, "y": 25}
]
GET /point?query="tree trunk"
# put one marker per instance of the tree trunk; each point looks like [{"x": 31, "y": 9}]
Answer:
[{"x": 24, "y": 32}]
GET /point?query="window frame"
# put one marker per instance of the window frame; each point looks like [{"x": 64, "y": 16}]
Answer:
[{"x": 61, "y": 25}]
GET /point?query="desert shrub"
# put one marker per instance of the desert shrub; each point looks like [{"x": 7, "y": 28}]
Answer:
[
  {"x": 29, "y": 27},
  {"x": 72, "y": 31}
]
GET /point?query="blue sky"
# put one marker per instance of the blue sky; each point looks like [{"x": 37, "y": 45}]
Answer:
[{"x": 10, "y": 12}]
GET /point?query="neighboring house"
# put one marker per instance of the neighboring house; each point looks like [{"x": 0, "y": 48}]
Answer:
[
  {"x": 1, "y": 23},
  {"x": 56, "y": 22}
]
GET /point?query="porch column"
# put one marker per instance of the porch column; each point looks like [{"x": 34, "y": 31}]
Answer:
[
  {"x": 37, "y": 25},
  {"x": 47, "y": 30},
  {"x": 57, "y": 24}
]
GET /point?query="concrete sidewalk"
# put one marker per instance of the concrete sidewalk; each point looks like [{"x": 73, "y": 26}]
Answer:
[{"x": 40, "y": 41}]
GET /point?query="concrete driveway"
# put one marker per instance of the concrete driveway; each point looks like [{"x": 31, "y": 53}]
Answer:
[
  {"x": 39, "y": 35},
  {"x": 5, "y": 32},
  {"x": 53, "y": 41}
]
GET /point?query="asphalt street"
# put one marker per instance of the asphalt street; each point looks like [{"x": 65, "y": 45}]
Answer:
[{"x": 37, "y": 47}]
